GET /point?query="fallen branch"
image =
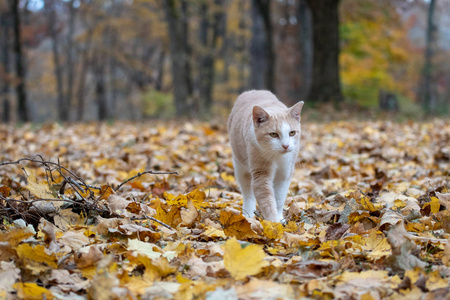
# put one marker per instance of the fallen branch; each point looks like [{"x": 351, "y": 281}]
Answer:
[
  {"x": 45, "y": 163},
  {"x": 153, "y": 219},
  {"x": 143, "y": 173}
]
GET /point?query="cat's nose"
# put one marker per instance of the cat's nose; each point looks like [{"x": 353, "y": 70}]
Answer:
[{"x": 285, "y": 147}]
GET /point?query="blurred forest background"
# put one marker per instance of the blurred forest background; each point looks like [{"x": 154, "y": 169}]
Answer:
[{"x": 79, "y": 60}]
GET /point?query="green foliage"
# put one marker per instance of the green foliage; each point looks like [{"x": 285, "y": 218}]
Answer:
[
  {"x": 374, "y": 51},
  {"x": 158, "y": 104}
]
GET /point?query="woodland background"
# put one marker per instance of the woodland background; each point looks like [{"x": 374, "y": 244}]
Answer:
[
  {"x": 79, "y": 60},
  {"x": 151, "y": 209}
]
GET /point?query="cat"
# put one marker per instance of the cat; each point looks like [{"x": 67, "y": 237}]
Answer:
[{"x": 265, "y": 141}]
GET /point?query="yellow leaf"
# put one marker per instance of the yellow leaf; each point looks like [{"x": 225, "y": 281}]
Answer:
[
  {"x": 434, "y": 205},
  {"x": 106, "y": 191},
  {"x": 196, "y": 196},
  {"x": 181, "y": 279},
  {"x": 272, "y": 230},
  {"x": 367, "y": 204},
  {"x": 102, "y": 162},
  {"x": 40, "y": 190},
  {"x": 243, "y": 262},
  {"x": 435, "y": 281},
  {"x": 236, "y": 225},
  {"x": 357, "y": 216},
  {"x": 31, "y": 291},
  {"x": 377, "y": 245},
  {"x": 168, "y": 215},
  {"x": 399, "y": 204},
  {"x": 15, "y": 235},
  {"x": 292, "y": 227},
  {"x": 214, "y": 233},
  {"x": 180, "y": 200},
  {"x": 226, "y": 177},
  {"x": 36, "y": 256}
]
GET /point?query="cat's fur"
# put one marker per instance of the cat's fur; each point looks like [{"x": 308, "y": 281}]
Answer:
[{"x": 264, "y": 153}]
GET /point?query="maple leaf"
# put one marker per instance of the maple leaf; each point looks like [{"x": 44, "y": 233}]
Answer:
[
  {"x": 36, "y": 258},
  {"x": 29, "y": 290},
  {"x": 236, "y": 225},
  {"x": 40, "y": 190},
  {"x": 242, "y": 262}
]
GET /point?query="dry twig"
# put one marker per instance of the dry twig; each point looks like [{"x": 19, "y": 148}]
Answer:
[{"x": 143, "y": 173}]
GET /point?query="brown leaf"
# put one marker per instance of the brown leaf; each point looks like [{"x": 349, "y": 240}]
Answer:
[
  {"x": 9, "y": 274},
  {"x": 88, "y": 256},
  {"x": 189, "y": 215},
  {"x": 235, "y": 225},
  {"x": 5, "y": 191},
  {"x": 403, "y": 249},
  {"x": 336, "y": 231}
]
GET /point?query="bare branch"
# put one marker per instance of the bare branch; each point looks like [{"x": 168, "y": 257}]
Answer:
[
  {"x": 153, "y": 219},
  {"x": 142, "y": 173}
]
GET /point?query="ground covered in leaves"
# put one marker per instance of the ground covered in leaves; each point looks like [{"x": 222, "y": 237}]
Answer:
[{"x": 367, "y": 216}]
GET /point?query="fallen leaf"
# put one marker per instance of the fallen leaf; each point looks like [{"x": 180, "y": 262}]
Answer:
[
  {"x": 189, "y": 215},
  {"x": 32, "y": 291},
  {"x": 242, "y": 262},
  {"x": 138, "y": 247},
  {"x": 236, "y": 225},
  {"x": 36, "y": 258},
  {"x": 9, "y": 274},
  {"x": 272, "y": 230}
]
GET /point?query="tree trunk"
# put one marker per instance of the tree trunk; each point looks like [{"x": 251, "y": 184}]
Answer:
[
  {"x": 82, "y": 75},
  {"x": 176, "y": 16},
  {"x": 325, "y": 86},
  {"x": 63, "y": 111},
  {"x": 70, "y": 56},
  {"x": 209, "y": 32},
  {"x": 160, "y": 71},
  {"x": 21, "y": 89},
  {"x": 304, "y": 18},
  {"x": 428, "y": 97},
  {"x": 100, "y": 89},
  {"x": 262, "y": 74},
  {"x": 4, "y": 36}
]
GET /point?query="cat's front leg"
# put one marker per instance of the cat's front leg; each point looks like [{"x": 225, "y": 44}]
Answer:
[
  {"x": 281, "y": 188},
  {"x": 245, "y": 183},
  {"x": 263, "y": 191}
]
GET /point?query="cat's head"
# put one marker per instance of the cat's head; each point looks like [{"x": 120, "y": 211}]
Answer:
[{"x": 278, "y": 132}]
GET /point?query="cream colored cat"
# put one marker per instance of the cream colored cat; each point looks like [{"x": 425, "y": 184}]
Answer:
[{"x": 265, "y": 140}]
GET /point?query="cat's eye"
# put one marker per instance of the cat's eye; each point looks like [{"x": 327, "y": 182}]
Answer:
[
  {"x": 292, "y": 133},
  {"x": 273, "y": 134}
]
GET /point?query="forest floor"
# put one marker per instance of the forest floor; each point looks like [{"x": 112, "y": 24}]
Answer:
[{"x": 367, "y": 216}]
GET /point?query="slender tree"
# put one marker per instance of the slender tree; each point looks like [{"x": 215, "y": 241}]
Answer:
[
  {"x": 21, "y": 89},
  {"x": 70, "y": 70},
  {"x": 325, "y": 86},
  {"x": 50, "y": 10},
  {"x": 5, "y": 65},
  {"x": 262, "y": 62},
  {"x": 428, "y": 97},
  {"x": 306, "y": 48},
  {"x": 212, "y": 19},
  {"x": 176, "y": 17}
]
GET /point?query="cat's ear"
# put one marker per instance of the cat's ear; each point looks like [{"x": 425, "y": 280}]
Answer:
[
  {"x": 296, "y": 110},
  {"x": 259, "y": 115}
]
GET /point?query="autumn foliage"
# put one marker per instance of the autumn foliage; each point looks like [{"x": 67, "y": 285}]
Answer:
[{"x": 367, "y": 216}]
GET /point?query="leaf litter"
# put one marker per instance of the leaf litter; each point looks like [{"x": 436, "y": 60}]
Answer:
[{"x": 97, "y": 211}]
